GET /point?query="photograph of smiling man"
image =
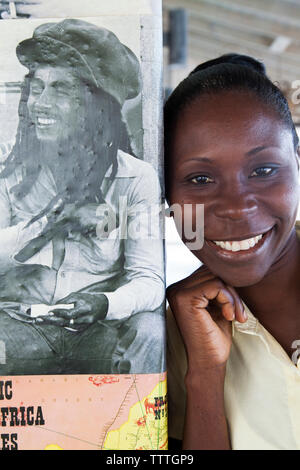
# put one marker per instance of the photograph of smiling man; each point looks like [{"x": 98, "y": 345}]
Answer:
[{"x": 81, "y": 283}]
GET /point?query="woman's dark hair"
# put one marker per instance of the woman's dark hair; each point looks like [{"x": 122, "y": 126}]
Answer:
[
  {"x": 225, "y": 73},
  {"x": 88, "y": 155}
]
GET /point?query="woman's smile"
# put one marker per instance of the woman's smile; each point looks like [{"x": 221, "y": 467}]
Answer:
[
  {"x": 241, "y": 248},
  {"x": 243, "y": 243}
]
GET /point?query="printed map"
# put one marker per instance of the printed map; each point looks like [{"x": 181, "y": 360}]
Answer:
[{"x": 86, "y": 412}]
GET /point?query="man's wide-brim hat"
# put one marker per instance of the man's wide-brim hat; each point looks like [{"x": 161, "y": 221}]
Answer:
[{"x": 94, "y": 53}]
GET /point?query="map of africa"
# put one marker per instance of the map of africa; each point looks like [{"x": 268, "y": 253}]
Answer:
[{"x": 86, "y": 412}]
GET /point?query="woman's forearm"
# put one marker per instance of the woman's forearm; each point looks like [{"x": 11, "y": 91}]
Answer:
[{"x": 205, "y": 422}]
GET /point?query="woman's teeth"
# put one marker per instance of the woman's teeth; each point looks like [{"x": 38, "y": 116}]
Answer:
[{"x": 239, "y": 245}]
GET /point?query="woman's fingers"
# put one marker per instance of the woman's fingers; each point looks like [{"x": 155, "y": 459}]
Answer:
[
  {"x": 240, "y": 313},
  {"x": 204, "y": 307},
  {"x": 203, "y": 283},
  {"x": 202, "y": 294},
  {"x": 222, "y": 297}
]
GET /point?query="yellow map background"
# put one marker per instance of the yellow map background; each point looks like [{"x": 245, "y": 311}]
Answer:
[{"x": 143, "y": 430}]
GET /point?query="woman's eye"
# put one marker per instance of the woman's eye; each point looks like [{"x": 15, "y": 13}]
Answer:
[
  {"x": 201, "y": 179},
  {"x": 263, "y": 171}
]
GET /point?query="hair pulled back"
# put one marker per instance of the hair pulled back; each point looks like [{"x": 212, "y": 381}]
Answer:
[{"x": 226, "y": 73}]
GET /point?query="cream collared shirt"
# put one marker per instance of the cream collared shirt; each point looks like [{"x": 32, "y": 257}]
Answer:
[{"x": 262, "y": 388}]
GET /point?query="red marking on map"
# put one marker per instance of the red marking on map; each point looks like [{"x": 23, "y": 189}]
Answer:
[
  {"x": 100, "y": 380},
  {"x": 164, "y": 444},
  {"x": 150, "y": 406},
  {"x": 141, "y": 421}
]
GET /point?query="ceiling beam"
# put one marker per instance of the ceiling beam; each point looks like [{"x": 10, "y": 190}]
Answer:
[
  {"x": 280, "y": 44},
  {"x": 247, "y": 8},
  {"x": 237, "y": 27},
  {"x": 231, "y": 15},
  {"x": 258, "y": 50},
  {"x": 218, "y": 30},
  {"x": 276, "y": 69}
]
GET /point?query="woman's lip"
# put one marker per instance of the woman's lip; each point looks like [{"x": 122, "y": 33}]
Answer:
[
  {"x": 237, "y": 239},
  {"x": 242, "y": 253}
]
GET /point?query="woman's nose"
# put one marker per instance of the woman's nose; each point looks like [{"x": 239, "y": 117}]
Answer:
[{"x": 236, "y": 203}]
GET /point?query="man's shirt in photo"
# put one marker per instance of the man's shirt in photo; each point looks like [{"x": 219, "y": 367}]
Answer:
[{"x": 138, "y": 259}]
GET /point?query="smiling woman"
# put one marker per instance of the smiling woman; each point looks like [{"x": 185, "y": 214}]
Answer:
[
  {"x": 231, "y": 145},
  {"x": 243, "y": 185}
]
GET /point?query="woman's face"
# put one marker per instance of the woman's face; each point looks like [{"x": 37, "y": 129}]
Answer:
[{"x": 231, "y": 153}]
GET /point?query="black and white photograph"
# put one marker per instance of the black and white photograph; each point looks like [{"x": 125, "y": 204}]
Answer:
[{"x": 81, "y": 278}]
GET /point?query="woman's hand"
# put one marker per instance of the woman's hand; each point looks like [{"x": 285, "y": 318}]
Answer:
[
  {"x": 88, "y": 308},
  {"x": 204, "y": 308}
]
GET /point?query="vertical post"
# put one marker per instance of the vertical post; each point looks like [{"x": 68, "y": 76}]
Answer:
[{"x": 178, "y": 37}]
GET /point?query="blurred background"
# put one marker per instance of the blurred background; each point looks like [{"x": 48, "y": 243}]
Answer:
[{"x": 195, "y": 31}]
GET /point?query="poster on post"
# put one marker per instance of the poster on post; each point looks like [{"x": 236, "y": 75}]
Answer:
[{"x": 82, "y": 327}]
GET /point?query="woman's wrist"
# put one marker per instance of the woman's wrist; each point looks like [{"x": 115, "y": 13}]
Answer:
[
  {"x": 205, "y": 424},
  {"x": 205, "y": 377}
]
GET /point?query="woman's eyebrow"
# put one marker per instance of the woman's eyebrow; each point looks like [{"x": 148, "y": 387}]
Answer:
[
  {"x": 198, "y": 159},
  {"x": 256, "y": 150},
  {"x": 194, "y": 159}
]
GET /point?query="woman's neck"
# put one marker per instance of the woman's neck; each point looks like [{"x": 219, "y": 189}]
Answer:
[
  {"x": 275, "y": 300},
  {"x": 281, "y": 280}
]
